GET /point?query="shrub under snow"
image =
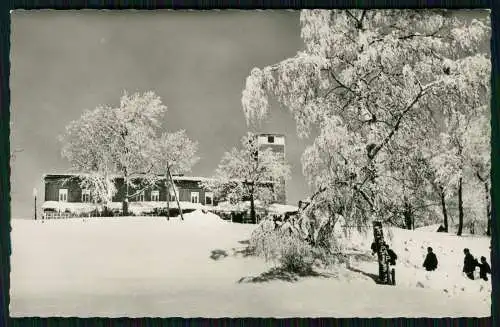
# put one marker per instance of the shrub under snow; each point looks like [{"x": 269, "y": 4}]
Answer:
[{"x": 292, "y": 253}]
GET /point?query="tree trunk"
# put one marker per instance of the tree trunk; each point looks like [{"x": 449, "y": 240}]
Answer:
[
  {"x": 125, "y": 200},
  {"x": 460, "y": 208},
  {"x": 382, "y": 254},
  {"x": 252, "y": 208},
  {"x": 407, "y": 216},
  {"x": 124, "y": 135},
  {"x": 175, "y": 194},
  {"x": 488, "y": 208},
  {"x": 445, "y": 212},
  {"x": 488, "y": 202},
  {"x": 167, "y": 185}
]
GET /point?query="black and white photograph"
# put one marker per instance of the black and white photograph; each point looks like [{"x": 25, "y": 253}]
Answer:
[{"x": 250, "y": 163}]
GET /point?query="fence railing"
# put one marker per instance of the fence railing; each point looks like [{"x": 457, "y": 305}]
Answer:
[
  {"x": 68, "y": 215},
  {"x": 58, "y": 215}
]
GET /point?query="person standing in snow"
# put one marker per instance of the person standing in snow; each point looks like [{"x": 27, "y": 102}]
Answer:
[
  {"x": 430, "y": 262},
  {"x": 484, "y": 269},
  {"x": 470, "y": 264}
]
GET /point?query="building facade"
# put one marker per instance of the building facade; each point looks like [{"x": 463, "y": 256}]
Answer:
[
  {"x": 66, "y": 188},
  {"x": 275, "y": 142}
]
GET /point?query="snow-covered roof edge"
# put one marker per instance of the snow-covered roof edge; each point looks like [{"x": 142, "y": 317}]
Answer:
[{"x": 175, "y": 178}]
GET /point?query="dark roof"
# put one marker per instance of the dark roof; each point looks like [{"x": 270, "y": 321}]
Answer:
[{"x": 270, "y": 134}]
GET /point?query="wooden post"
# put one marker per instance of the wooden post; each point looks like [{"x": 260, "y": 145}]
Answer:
[
  {"x": 35, "y": 192},
  {"x": 382, "y": 254},
  {"x": 175, "y": 194},
  {"x": 168, "y": 196}
]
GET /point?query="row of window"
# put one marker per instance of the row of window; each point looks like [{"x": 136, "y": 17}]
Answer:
[{"x": 155, "y": 196}]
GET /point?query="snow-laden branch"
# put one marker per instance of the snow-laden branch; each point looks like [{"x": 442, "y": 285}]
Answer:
[{"x": 363, "y": 80}]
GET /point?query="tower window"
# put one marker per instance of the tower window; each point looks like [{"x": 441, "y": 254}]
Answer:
[{"x": 270, "y": 139}]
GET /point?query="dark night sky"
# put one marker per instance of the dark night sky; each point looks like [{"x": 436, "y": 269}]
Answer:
[{"x": 65, "y": 62}]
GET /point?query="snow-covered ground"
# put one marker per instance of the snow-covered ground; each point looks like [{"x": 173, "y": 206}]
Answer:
[
  {"x": 148, "y": 266},
  {"x": 411, "y": 248}
]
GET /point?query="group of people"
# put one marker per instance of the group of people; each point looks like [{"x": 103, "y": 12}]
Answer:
[{"x": 470, "y": 264}]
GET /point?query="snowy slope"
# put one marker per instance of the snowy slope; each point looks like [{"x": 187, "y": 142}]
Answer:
[{"x": 150, "y": 266}]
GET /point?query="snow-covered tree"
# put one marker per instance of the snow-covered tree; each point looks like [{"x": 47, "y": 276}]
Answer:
[
  {"x": 478, "y": 149},
  {"x": 110, "y": 140},
  {"x": 408, "y": 193},
  {"x": 464, "y": 158},
  {"x": 369, "y": 81},
  {"x": 173, "y": 153},
  {"x": 466, "y": 102},
  {"x": 86, "y": 144},
  {"x": 434, "y": 175},
  {"x": 248, "y": 172},
  {"x": 137, "y": 123}
]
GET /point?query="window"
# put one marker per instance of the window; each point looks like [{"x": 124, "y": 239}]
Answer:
[
  {"x": 140, "y": 197},
  {"x": 155, "y": 195},
  {"x": 270, "y": 139},
  {"x": 195, "y": 197},
  {"x": 63, "y": 195},
  {"x": 209, "y": 198},
  {"x": 85, "y": 195}
]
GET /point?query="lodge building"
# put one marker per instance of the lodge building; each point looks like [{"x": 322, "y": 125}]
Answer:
[{"x": 65, "y": 189}]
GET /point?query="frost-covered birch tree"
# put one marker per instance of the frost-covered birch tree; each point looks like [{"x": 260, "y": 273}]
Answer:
[
  {"x": 369, "y": 81},
  {"x": 87, "y": 145},
  {"x": 464, "y": 158},
  {"x": 441, "y": 187},
  {"x": 478, "y": 149},
  {"x": 460, "y": 111},
  {"x": 137, "y": 124},
  {"x": 173, "y": 153},
  {"x": 246, "y": 173},
  {"x": 118, "y": 140}
]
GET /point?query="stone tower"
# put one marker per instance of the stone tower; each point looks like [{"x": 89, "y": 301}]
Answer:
[{"x": 277, "y": 143}]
